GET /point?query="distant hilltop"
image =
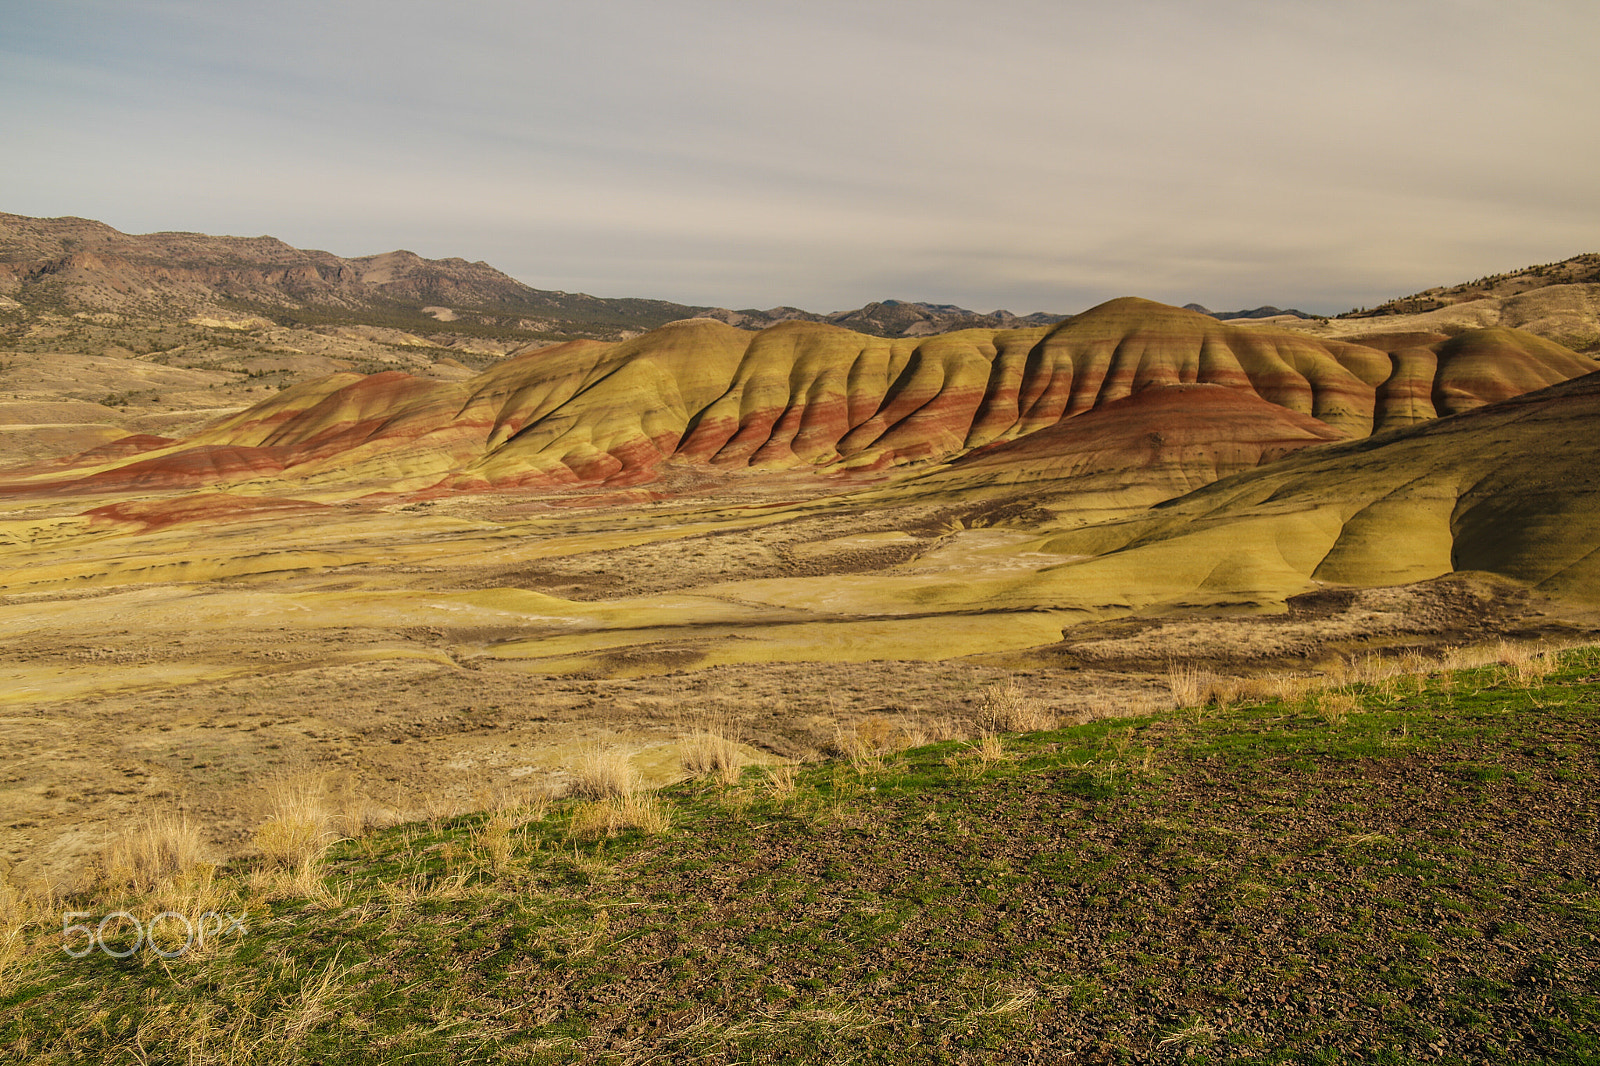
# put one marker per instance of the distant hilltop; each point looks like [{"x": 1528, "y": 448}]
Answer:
[
  {"x": 891, "y": 318},
  {"x": 1260, "y": 312},
  {"x": 1579, "y": 270}
]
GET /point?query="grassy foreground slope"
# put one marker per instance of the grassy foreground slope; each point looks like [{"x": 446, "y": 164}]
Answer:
[{"x": 1401, "y": 870}]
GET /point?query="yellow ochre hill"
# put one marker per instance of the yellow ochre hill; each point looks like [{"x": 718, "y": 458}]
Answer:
[{"x": 1511, "y": 489}]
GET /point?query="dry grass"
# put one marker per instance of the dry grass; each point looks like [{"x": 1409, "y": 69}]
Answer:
[
  {"x": 712, "y": 750},
  {"x": 319, "y": 998},
  {"x": 1334, "y": 707},
  {"x": 1221, "y": 692},
  {"x": 531, "y": 807},
  {"x": 437, "y": 808},
  {"x": 1374, "y": 669},
  {"x": 1183, "y": 681},
  {"x": 1138, "y": 705},
  {"x": 864, "y": 759},
  {"x": 1005, "y": 1001},
  {"x": 607, "y": 817},
  {"x": 1290, "y": 690},
  {"x": 604, "y": 773},
  {"x": 525, "y": 802},
  {"x": 195, "y": 893},
  {"x": 1195, "y": 689},
  {"x": 493, "y": 840},
  {"x": 1524, "y": 664},
  {"x": 1414, "y": 664},
  {"x": 295, "y": 839},
  {"x": 873, "y": 733},
  {"x": 163, "y": 863},
  {"x": 1196, "y": 1034},
  {"x": 1413, "y": 671},
  {"x": 197, "y": 1032},
  {"x": 165, "y": 847},
  {"x": 351, "y": 814},
  {"x": 1473, "y": 656},
  {"x": 990, "y": 749},
  {"x": 1387, "y": 679},
  {"x": 913, "y": 735},
  {"x": 866, "y": 742},
  {"x": 780, "y": 780},
  {"x": 1007, "y": 708},
  {"x": 921, "y": 730},
  {"x": 20, "y": 912}
]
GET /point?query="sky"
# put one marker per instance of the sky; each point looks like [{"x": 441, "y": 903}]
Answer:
[{"x": 750, "y": 153}]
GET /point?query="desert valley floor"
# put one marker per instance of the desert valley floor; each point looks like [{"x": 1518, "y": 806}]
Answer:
[{"x": 424, "y": 657}]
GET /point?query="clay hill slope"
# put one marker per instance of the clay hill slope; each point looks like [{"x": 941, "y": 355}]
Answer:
[
  {"x": 1150, "y": 446},
  {"x": 818, "y": 398},
  {"x": 1512, "y": 489}
]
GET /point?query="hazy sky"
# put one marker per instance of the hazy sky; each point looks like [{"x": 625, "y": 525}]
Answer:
[{"x": 747, "y": 153}]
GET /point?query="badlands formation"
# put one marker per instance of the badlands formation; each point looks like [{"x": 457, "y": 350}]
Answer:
[{"x": 427, "y": 586}]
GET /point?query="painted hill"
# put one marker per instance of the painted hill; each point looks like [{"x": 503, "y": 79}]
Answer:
[
  {"x": 1147, "y": 447},
  {"x": 818, "y": 398},
  {"x": 1511, "y": 489}
]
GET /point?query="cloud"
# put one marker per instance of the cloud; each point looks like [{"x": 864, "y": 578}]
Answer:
[{"x": 1031, "y": 155}]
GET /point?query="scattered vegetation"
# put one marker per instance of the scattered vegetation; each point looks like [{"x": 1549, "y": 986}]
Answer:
[
  {"x": 1577, "y": 270},
  {"x": 1183, "y": 681}
]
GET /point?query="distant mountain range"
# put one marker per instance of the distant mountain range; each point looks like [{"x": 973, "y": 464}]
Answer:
[
  {"x": 80, "y": 268},
  {"x": 888, "y": 318},
  {"x": 76, "y": 265},
  {"x": 1260, "y": 312}
]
